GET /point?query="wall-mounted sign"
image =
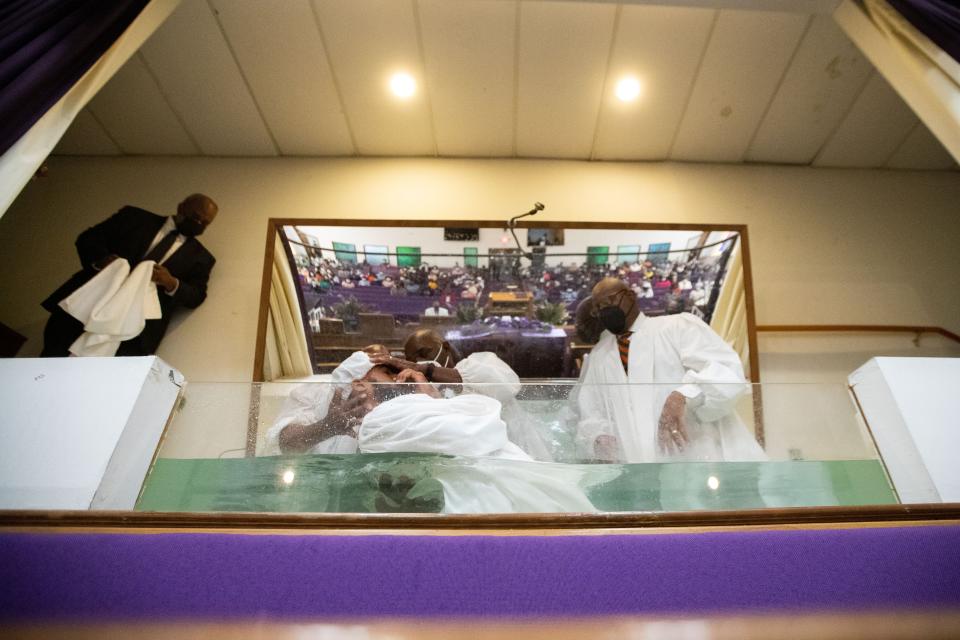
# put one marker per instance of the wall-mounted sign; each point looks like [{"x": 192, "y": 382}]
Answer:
[{"x": 461, "y": 234}]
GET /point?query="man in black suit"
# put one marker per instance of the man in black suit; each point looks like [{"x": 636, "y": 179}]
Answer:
[{"x": 181, "y": 272}]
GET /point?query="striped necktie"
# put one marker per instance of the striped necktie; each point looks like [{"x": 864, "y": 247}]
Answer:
[{"x": 623, "y": 344}]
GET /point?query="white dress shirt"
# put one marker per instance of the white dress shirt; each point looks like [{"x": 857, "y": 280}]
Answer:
[{"x": 167, "y": 227}]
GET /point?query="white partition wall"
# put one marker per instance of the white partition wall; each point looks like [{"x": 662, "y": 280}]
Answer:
[
  {"x": 912, "y": 406},
  {"x": 80, "y": 433}
]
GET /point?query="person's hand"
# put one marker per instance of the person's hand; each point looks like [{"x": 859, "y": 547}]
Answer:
[
  {"x": 162, "y": 276},
  {"x": 349, "y": 411},
  {"x": 397, "y": 364},
  {"x": 605, "y": 448},
  {"x": 104, "y": 261},
  {"x": 672, "y": 433},
  {"x": 420, "y": 380}
]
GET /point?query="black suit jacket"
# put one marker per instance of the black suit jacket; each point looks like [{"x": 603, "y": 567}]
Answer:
[{"x": 128, "y": 233}]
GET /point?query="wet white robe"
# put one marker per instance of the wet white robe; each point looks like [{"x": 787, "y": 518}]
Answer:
[
  {"x": 484, "y": 373},
  {"x": 680, "y": 353},
  {"x": 309, "y": 403},
  {"x": 498, "y": 477}
]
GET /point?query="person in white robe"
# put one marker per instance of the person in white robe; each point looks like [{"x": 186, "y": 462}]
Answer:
[
  {"x": 688, "y": 414},
  {"x": 493, "y": 475},
  {"x": 306, "y": 423},
  {"x": 483, "y": 373}
]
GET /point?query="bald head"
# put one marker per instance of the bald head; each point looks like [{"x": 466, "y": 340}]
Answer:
[
  {"x": 428, "y": 345},
  {"x": 607, "y": 288},
  {"x": 423, "y": 345},
  {"x": 195, "y": 214}
]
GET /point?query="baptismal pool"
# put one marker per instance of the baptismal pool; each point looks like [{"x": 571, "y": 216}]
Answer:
[
  {"x": 812, "y": 449},
  {"x": 430, "y": 483}
]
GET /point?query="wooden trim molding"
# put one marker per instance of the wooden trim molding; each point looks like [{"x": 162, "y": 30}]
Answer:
[
  {"x": 260, "y": 353},
  {"x": 798, "y": 516},
  {"x": 855, "y": 328},
  {"x": 751, "y": 309}
]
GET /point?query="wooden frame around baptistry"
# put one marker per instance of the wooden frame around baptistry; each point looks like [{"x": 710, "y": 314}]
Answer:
[
  {"x": 274, "y": 225},
  {"x": 786, "y": 518}
]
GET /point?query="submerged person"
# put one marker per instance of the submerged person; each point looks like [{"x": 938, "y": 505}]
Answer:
[
  {"x": 482, "y": 372},
  {"x": 363, "y": 413},
  {"x": 323, "y": 417},
  {"x": 687, "y": 415},
  {"x": 491, "y": 473}
]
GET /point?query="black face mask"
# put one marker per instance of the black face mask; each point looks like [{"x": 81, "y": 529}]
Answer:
[
  {"x": 190, "y": 227},
  {"x": 614, "y": 319}
]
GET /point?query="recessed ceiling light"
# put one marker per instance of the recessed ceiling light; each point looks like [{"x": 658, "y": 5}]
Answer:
[
  {"x": 628, "y": 89},
  {"x": 403, "y": 85}
]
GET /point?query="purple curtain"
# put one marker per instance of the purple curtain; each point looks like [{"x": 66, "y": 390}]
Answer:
[
  {"x": 45, "y": 47},
  {"x": 939, "y": 20}
]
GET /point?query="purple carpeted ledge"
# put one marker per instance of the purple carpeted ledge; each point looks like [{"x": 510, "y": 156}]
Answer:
[{"x": 224, "y": 576}]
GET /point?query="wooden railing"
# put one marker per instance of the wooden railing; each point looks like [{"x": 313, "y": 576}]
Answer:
[{"x": 857, "y": 328}]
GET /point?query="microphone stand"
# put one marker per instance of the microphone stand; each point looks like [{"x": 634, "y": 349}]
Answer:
[{"x": 512, "y": 225}]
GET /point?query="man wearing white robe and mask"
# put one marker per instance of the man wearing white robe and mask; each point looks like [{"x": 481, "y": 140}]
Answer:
[
  {"x": 688, "y": 415},
  {"x": 483, "y": 372}
]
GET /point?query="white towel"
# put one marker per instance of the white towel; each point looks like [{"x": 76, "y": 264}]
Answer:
[{"x": 113, "y": 306}]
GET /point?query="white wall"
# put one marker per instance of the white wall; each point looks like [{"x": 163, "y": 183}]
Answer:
[{"x": 828, "y": 246}]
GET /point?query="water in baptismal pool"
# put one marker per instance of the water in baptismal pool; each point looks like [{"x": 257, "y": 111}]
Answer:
[{"x": 429, "y": 483}]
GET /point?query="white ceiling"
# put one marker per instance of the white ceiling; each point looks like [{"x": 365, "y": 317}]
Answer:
[{"x": 504, "y": 78}]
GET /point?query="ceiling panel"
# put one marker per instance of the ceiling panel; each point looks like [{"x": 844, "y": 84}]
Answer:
[
  {"x": 504, "y": 78},
  {"x": 921, "y": 150},
  {"x": 872, "y": 131},
  {"x": 825, "y": 77},
  {"x": 138, "y": 116},
  {"x": 191, "y": 60},
  {"x": 661, "y": 47},
  {"x": 469, "y": 55},
  {"x": 292, "y": 83},
  {"x": 744, "y": 62},
  {"x": 368, "y": 41},
  {"x": 85, "y": 137},
  {"x": 564, "y": 48}
]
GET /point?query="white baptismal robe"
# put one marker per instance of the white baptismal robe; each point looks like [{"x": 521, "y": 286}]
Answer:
[
  {"x": 113, "y": 306},
  {"x": 498, "y": 478},
  {"x": 308, "y": 404},
  {"x": 485, "y": 373},
  {"x": 680, "y": 353}
]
